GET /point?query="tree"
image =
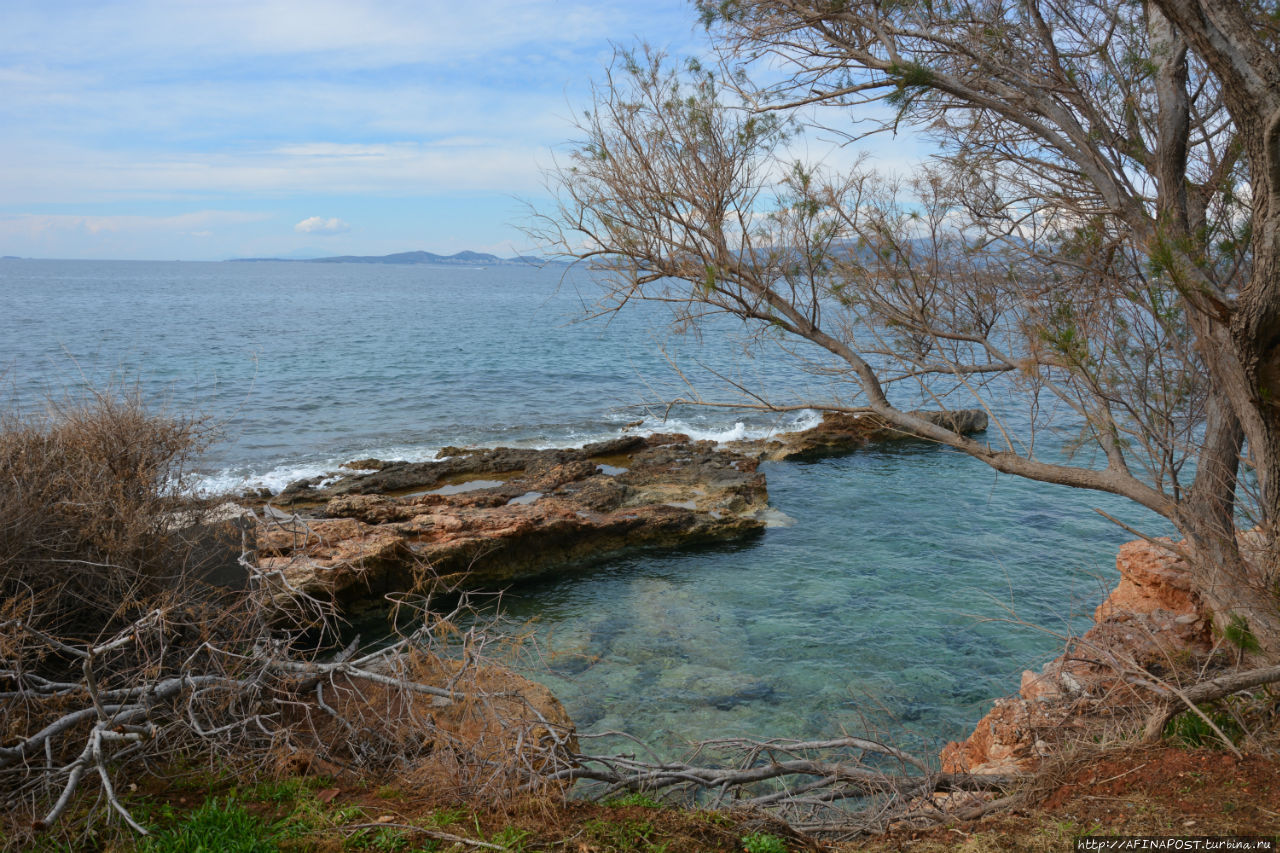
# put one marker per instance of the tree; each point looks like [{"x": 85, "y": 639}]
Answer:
[{"x": 1100, "y": 232}]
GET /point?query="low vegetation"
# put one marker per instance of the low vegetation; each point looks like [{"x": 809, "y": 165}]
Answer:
[{"x": 127, "y": 655}]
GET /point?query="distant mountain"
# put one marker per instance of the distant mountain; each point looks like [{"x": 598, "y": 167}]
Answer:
[
  {"x": 466, "y": 259},
  {"x": 308, "y": 253}
]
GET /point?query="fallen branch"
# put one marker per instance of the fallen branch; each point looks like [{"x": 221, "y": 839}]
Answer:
[
  {"x": 161, "y": 688},
  {"x": 1207, "y": 691},
  {"x": 793, "y": 780}
]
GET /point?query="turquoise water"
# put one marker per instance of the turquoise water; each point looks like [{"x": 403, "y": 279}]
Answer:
[
  {"x": 889, "y": 602},
  {"x": 883, "y": 599}
]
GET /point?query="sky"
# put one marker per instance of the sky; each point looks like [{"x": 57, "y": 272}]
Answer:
[{"x": 214, "y": 129}]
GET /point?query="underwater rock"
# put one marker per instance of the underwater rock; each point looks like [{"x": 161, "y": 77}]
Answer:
[
  {"x": 719, "y": 688},
  {"x": 672, "y": 621}
]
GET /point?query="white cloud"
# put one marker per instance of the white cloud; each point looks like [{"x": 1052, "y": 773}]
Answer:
[
  {"x": 197, "y": 234},
  {"x": 320, "y": 225},
  {"x": 344, "y": 34},
  {"x": 296, "y": 106},
  {"x": 198, "y": 222},
  {"x": 77, "y": 176}
]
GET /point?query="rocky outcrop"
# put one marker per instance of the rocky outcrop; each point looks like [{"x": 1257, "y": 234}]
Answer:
[
  {"x": 840, "y": 433},
  {"x": 477, "y": 518},
  {"x": 454, "y": 466},
  {"x": 482, "y": 519},
  {"x": 1151, "y": 621}
]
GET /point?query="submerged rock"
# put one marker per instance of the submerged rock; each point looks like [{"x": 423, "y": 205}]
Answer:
[{"x": 720, "y": 688}]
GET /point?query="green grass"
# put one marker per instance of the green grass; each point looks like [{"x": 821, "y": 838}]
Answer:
[
  {"x": 218, "y": 826},
  {"x": 284, "y": 791},
  {"x": 511, "y": 838},
  {"x": 386, "y": 839},
  {"x": 623, "y": 836},
  {"x": 447, "y": 817},
  {"x": 636, "y": 799},
  {"x": 763, "y": 842}
]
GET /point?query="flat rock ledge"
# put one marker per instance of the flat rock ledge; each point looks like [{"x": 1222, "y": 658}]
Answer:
[
  {"x": 482, "y": 519},
  {"x": 1152, "y": 619}
]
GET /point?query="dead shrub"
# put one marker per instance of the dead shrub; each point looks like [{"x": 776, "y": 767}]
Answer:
[
  {"x": 118, "y": 661},
  {"x": 497, "y": 732},
  {"x": 90, "y": 491}
]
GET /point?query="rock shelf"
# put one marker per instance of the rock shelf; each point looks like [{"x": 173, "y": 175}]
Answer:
[{"x": 478, "y": 518}]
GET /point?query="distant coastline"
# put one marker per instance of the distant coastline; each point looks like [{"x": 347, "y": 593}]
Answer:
[{"x": 466, "y": 259}]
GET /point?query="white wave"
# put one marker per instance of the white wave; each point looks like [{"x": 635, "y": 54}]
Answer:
[
  {"x": 276, "y": 476},
  {"x": 738, "y": 431},
  {"x": 240, "y": 479}
]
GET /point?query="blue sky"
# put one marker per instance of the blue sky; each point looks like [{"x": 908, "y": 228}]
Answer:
[{"x": 219, "y": 128}]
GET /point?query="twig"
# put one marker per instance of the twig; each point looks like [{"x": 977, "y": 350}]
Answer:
[{"x": 430, "y": 833}]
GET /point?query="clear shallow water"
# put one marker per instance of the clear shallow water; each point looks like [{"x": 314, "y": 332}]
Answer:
[
  {"x": 879, "y": 596},
  {"x": 877, "y": 605}
]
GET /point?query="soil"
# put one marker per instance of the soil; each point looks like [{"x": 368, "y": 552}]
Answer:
[{"x": 1161, "y": 791}]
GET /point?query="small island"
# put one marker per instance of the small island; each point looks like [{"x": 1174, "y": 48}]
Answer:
[{"x": 458, "y": 259}]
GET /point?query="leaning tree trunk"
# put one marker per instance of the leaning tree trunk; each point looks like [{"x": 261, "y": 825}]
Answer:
[
  {"x": 1238, "y": 335},
  {"x": 1236, "y": 573}
]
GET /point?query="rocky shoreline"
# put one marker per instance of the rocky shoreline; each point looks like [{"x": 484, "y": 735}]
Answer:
[
  {"x": 484, "y": 518},
  {"x": 1150, "y": 626}
]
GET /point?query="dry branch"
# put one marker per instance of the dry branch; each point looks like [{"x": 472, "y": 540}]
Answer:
[
  {"x": 1207, "y": 691},
  {"x": 256, "y": 691},
  {"x": 830, "y": 786}
]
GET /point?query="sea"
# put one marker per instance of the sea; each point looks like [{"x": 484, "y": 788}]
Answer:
[{"x": 909, "y": 586}]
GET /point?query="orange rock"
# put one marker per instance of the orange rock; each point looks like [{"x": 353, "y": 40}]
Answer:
[
  {"x": 1151, "y": 578},
  {"x": 1149, "y": 619}
]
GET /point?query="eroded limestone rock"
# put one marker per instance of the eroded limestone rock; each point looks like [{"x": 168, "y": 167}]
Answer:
[
  {"x": 479, "y": 518},
  {"x": 840, "y": 433}
]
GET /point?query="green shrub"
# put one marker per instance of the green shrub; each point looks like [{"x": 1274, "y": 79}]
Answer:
[
  {"x": 1190, "y": 729},
  {"x": 1240, "y": 635}
]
